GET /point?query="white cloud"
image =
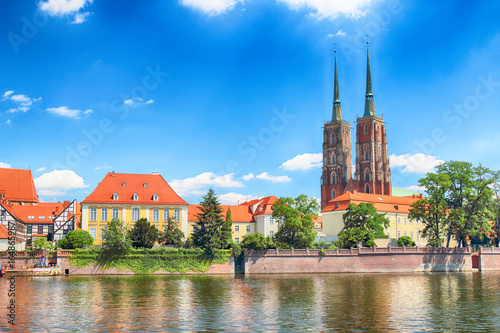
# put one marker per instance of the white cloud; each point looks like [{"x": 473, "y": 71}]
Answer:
[
  {"x": 57, "y": 182},
  {"x": 415, "y": 188},
  {"x": 211, "y": 7},
  {"x": 62, "y": 7},
  {"x": 248, "y": 177},
  {"x": 64, "y": 111},
  {"x": 4, "y": 165},
  {"x": 233, "y": 198},
  {"x": 7, "y": 94},
  {"x": 80, "y": 18},
  {"x": 419, "y": 163},
  {"x": 136, "y": 101},
  {"x": 304, "y": 162},
  {"x": 197, "y": 185},
  {"x": 8, "y": 122},
  {"x": 40, "y": 169},
  {"x": 18, "y": 109},
  {"x": 340, "y": 33},
  {"x": 23, "y": 101},
  {"x": 105, "y": 166},
  {"x": 274, "y": 179},
  {"x": 321, "y": 9}
]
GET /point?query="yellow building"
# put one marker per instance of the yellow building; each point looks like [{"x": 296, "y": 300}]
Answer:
[{"x": 129, "y": 197}]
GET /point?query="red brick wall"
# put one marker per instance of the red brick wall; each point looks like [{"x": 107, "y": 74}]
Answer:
[{"x": 489, "y": 259}]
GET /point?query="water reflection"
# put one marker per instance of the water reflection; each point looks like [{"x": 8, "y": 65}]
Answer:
[{"x": 443, "y": 302}]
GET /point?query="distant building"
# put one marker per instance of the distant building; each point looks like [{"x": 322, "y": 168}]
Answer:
[
  {"x": 395, "y": 208},
  {"x": 372, "y": 174},
  {"x": 129, "y": 197}
]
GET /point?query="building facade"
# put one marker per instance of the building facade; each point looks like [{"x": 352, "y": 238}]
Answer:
[
  {"x": 130, "y": 197},
  {"x": 372, "y": 173}
]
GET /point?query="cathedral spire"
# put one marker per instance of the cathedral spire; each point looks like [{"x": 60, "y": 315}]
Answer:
[
  {"x": 369, "y": 103},
  {"x": 337, "y": 110}
]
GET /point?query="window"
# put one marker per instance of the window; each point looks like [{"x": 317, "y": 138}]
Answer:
[
  {"x": 31, "y": 217},
  {"x": 115, "y": 214},
  {"x": 177, "y": 215},
  {"x": 404, "y": 220},
  {"x": 236, "y": 240},
  {"x": 271, "y": 220},
  {"x": 145, "y": 184},
  {"x": 41, "y": 217},
  {"x": 334, "y": 194},
  {"x": 271, "y": 233},
  {"x": 367, "y": 156},
  {"x": 104, "y": 214},
  {"x": 135, "y": 214},
  {"x": 366, "y": 129},
  {"x": 333, "y": 139},
  {"x": 248, "y": 228},
  {"x": 93, "y": 214},
  {"x": 51, "y": 229},
  {"x": 399, "y": 220},
  {"x": 156, "y": 215},
  {"x": 29, "y": 229},
  {"x": 40, "y": 229},
  {"x": 237, "y": 228},
  {"x": 101, "y": 236},
  {"x": 367, "y": 188},
  {"x": 115, "y": 196},
  {"x": 418, "y": 235},
  {"x": 333, "y": 159},
  {"x": 155, "y": 197},
  {"x": 399, "y": 234},
  {"x": 406, "y": 234},
  {"x": 124, "y": 184},
  {"x": 166, "y": 215},
  {"x": 411, "y": 221},
  {"x": 93, "y": 232},
  {"x": 334, "y": 178},
  {"x": 367, "y": 176},
  {"x": 411, "y": 235},
  {"x": 135, "y": 197}
]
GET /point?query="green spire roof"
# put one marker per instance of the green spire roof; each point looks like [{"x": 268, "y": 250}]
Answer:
[
  {"x": 337, "y": 110},
  {"x": 369, "y": 103}
]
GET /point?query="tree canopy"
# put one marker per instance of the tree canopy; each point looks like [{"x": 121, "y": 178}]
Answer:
[
  {"x": 295, "y": 221},
  {"x": 115, "y": 238},
  {"x": 257, "y": 241},
  {"x": 76, "y": 239},
  {"x": 143, "y": 234},
  {"x": 171, "y": 234}
]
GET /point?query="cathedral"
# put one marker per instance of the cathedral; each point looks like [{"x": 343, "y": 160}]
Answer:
[{"x": 372, "y": 173}]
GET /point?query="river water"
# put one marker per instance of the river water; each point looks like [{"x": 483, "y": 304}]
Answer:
[{"x": 415, "y": 302}]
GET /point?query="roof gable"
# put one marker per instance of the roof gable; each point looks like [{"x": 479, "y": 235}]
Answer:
[
  {"x": 17, "y": 185},
  {"x": 4, "y": 233}
]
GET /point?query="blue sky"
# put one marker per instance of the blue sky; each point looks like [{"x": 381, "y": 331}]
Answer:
[{"x": 233, "y": 94}]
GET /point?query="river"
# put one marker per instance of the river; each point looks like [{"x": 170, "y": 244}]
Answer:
[{"x": 414, "y": 302}]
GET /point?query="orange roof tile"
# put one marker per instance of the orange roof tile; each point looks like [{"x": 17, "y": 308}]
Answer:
[
  {"x": 17, "y": 185},
  {"x": 144, "y": 185},
  {"x": 383, "y": 203},
  {"x": 238, "y": 213},
  {"x": 4, "y": 232},
  {"x": 42, "y": 213}
]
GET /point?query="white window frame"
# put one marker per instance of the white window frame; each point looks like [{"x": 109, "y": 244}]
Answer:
[
  {"x": 93, "y": 214},
  {"x": 104, "y": 214},
  {"x": 236, "y": 228},
  {"x": 136, "y": 214},
  {"x": 166, "y": 215},
  {"x": 248, "y": 228},
  {"x": 115, "y": 214},
  {"x": 177, "y": 215},
  {"x": 93, "y": 232},
  {"x": 156, "y": 215},
  {"x": 135, "y": 197}
]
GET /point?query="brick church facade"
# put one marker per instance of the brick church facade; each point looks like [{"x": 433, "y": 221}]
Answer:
[{"x": 372, "y": 173}]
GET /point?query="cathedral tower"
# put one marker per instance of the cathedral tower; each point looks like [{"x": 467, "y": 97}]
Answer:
[
  {"x": 373, "y": 173},
  {"x": 337, "y": 164}
]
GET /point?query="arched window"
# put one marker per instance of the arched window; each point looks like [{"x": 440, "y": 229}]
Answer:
[
  {"x": 156, "y": 215},
  {"x": 367, "y": 156},
  {"x": 135, "y": 214},
  {"x": 115, "y": 196},
  {"x": 155, "y": 197},
  {"x": 366, "y": 129},
  {"x": 104, "y": 214},
  {"x": 135, "y": 197},
  {"x": 333, "y": 138},
  {"x": 177, "y": 215},
  {"x": 333, "y": 159},
  {"x": 367, "y": 175},
  {"x": 367, "y": 188},
  {"x": 334, "y": 178},
  {"x": 93, "y": 214},
  {"x": 334, "y": 194},
  {"x": 115, "y": 214},
  {"x": 166, "y": 215}
]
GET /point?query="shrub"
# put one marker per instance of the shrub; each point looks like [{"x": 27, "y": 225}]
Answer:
[
  {"x": 76, "y": 239},
  {"x": 405, "y": 241}
]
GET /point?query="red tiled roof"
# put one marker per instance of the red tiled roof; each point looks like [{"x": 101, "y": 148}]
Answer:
[
  {"x": 383, "y": 203},
  {"x": 4, "y": 232},
  {"x": 17, "y": 185},
  {"x": 38, "y": 214},
  {"x": 134, "y": 183},
  {"x": 238, "y": 213}
]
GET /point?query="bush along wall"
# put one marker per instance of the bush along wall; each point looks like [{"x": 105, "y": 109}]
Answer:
[{"x": 147, "y": 261}]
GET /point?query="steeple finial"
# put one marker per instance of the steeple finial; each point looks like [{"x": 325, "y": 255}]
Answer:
[
  {"x": 369, "y": 103},
  {"x": 337, "y": 110}
]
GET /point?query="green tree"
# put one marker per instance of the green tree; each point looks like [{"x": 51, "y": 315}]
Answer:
[
  {"x": 362, "y": 224},
  {"x": 41, "y": 243},
  {"x": 115, "y": 238},
  {"x": 227, "y": 230},
  {"x": 76, "y": 239},
  {"x": 171, "y": 234},
  {"x": 495, "y": 208},
  {"x": 432, "y": 210},
  {"x": 257, "y": 241},
  {"x": 143, "y": 234},
  {"x": 295, "y": 221},
  {"x": 207, "y": 232},
  {"x": 406, "y": 241}
]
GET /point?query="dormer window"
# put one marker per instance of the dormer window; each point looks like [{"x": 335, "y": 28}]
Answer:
[
  {"x": 155, "y": 197},
  {"x": 145, "y": 184},
  {"x": 115, "y": 196},
  {"x": 135, "y": 197},
  {"x": 124, "y": 184}
]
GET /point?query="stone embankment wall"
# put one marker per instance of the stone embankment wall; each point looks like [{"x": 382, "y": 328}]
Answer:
[
  {"x": 489, "y": 259},
  {"x": 362, "y": 260}
]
